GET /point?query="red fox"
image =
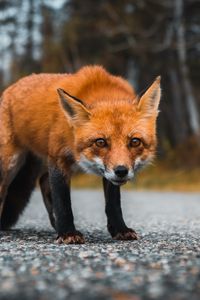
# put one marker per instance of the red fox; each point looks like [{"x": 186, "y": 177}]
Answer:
[{"x": 52, "y": 123}]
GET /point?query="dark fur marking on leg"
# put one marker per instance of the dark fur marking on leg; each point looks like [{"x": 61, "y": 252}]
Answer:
[
  {"x": 46, "y": 194},
  {"x": 62, "y": 206},
  {"x": 116, "y": 225}
]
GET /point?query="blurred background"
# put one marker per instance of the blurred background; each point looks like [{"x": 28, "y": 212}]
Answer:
[{"x": 137, "y": 39}]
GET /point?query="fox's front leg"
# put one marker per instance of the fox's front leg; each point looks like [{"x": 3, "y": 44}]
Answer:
[
  {"x": 115, "y": 222},
  {"x": 46, "y": 195},
  {"x": 60, "y": 190}
]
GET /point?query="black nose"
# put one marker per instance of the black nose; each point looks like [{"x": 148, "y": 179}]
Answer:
[{"x": 121, "y": 171}]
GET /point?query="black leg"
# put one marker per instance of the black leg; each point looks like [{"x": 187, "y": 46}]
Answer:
[
  {"x": 46, "y": 195},
  {"x": 116, "y": 224},
  {"x": 60, "y": 191}
]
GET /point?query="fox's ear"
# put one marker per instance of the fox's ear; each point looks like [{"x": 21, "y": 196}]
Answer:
[
  {"x": 149, "y": 102},
  {"x": 73, "y": 106}
]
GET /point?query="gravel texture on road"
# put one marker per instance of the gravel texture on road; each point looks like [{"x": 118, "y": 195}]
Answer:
[{"x": 163, "y": 264}]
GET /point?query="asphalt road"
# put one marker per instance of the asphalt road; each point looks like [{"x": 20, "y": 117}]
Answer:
[{"x": 163, "y": 264}]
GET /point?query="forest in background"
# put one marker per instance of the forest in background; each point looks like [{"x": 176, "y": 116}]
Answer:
[{"x": 137, "y": 39}]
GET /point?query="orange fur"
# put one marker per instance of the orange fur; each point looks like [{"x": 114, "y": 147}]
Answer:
[
  {"x": 41, "y": 116},
  {"x": 32, "y": 118}
]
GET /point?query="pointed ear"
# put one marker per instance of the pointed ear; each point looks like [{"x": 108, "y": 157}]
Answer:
[
  {"x": 73, "y": 107},
  {"x": 149, "y": 102}
]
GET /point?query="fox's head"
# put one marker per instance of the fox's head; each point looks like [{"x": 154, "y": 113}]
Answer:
[{"x": 114, "y": 137}]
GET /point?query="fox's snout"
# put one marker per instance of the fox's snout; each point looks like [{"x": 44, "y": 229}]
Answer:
[
  {"x": 121, "y": 171},
  {"x": 119, "y": 175}
]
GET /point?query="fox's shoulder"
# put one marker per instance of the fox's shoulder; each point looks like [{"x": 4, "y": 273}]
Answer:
[
  {"x": 85, "y": 83},
  {"x": 94, "y": 82},
  {"x": 98, "y": 75}
]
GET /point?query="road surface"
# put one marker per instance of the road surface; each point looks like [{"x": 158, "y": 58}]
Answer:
[{"x": 163, "y": 264}]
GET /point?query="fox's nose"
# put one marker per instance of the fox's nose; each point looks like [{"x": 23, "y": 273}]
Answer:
[{"x": 121, "y": 171}]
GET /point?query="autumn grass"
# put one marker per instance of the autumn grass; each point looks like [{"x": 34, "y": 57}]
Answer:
[{"x": 156, "y": 177}]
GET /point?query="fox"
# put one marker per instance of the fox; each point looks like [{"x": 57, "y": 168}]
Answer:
[{"x": 53, "y": 124}]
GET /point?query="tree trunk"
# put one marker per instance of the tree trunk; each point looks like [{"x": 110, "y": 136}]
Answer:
[
  {"x": 180, "y": 131},
  {"x": 191, "y": 105}
]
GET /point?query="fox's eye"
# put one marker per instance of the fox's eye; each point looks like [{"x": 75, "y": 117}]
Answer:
[
  {"x": 135, "y": 142},
  {"x": 101, "y": 143}
]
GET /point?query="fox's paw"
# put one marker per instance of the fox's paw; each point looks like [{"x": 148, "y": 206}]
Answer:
[
  {"x": 74, "y": 237},
  {"x": 126, "y": 234}
]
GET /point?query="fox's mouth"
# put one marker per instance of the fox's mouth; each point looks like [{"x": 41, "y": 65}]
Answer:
[{"x": 119, "y": 181}]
